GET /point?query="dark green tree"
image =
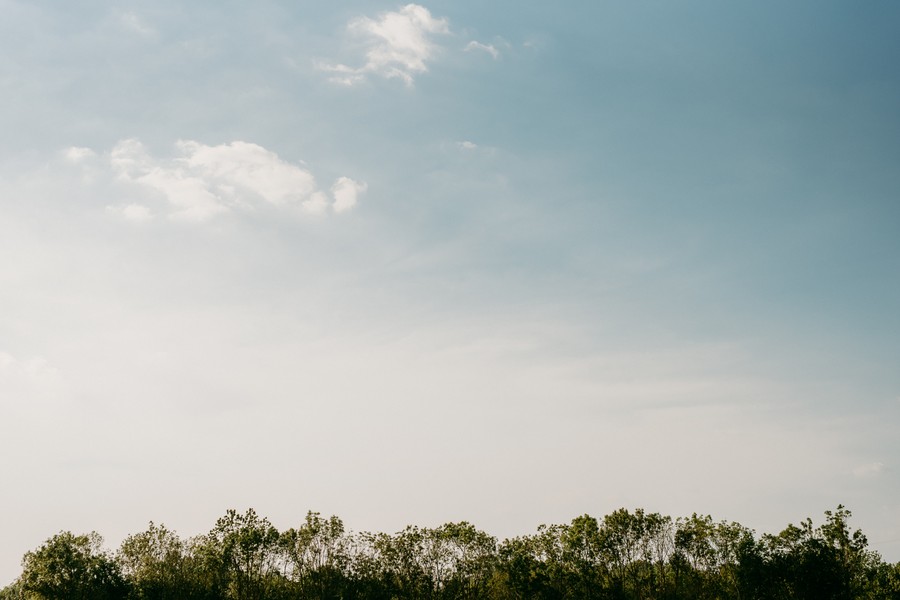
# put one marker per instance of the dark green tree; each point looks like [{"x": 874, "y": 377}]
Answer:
[{"x": 584, "y": 569}]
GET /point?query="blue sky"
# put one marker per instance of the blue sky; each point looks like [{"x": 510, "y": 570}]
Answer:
[{"x": 418, "y": 263}]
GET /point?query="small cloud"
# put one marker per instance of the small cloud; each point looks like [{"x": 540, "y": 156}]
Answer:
[
  {"x": 471, "y": 148},
  {"x": 345, "y": 192},
  {"x": 478, "y": 46},
  {"x": 201, "y": 182},
  {"x": 399, "y": 45},
  {"x": 868, "y": 471},
  {"x": 77, "y": 154}
]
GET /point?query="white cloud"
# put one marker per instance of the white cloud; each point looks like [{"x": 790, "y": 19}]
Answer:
[
  {"x": 317, "y": 203},
  {"x": 399, "y": 45},
  {"x": 77, "y": 154},
  {"x": 469, "y": 147},
  {"x": 868, "y": 470},
  {"x": 190, "y": 195},
  {"x": 249, "y": 167},
  {"x": 345, "y": 192},
  {"x": 489, "y": 48},
  {"x": 201, "y": 182}
]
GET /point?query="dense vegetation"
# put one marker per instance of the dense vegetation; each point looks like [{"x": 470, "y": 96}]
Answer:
[{"x": 625, "y": 555}]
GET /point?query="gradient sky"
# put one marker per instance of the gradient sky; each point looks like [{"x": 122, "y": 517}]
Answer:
[{"x": 497, "y": 261}]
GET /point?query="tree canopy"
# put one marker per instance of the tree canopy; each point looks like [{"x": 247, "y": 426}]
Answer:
[{"x": 623, "y": 556}]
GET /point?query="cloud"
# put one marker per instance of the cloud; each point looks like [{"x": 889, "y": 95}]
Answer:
[
  {"x": 469, "y": 147},
  {"x": 192, "y": 197},
  {"x": 249, "y": 167},
  {"x": 399, "y": 45},
  {"x": 202, "y": 182},
  {"x": 317, "y": 203},
  {"x": 345, "y": 192},
  {"x": 77, "y": 154},
  {"x": 489, "y": 48}
]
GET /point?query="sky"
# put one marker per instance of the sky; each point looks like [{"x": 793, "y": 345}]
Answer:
[{"x": 501, "y": 262}]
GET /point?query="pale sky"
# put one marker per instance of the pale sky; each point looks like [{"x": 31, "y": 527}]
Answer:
[{"x": 497, "y": 261}]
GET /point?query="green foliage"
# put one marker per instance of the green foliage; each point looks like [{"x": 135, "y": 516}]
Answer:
[
  {"x": 161, "y": 566},
  {"x": 72, "y": 567},
  {"x": 623, "y": 556},
  {"x": 13, "y": 591},
  {"x": 316, "y": 555},
  {"x": 240, "y": 555}
]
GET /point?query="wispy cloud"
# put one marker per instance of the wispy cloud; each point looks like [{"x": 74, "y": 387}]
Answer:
[
  {"x": 133, "y": 23},
  {"x": 468, "y": 147},
  {"x": 201, "y": 182},
  {"x": 398, "y": 45},
  {"x": 77, "y": 154},
  {"x": 479, "y": 47}
]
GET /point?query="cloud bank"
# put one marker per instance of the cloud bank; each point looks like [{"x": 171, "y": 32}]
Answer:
[
  {"x": 201, "y": 182},
  {"x": 398, "y": 45}
]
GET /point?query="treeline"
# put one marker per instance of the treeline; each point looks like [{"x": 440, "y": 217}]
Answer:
[{"x": 624, "y": 555}]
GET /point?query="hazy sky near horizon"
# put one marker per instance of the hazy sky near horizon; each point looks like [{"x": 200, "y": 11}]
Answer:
[{"x": 496, "y": 261}]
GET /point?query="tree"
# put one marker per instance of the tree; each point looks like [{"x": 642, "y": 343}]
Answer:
[
  {"x": 537, "y": 566},
  {"x": 582, "y": 548},
  {"x": 317, "y": 556},
  {"x": 72, "y": 567},
  {"x": 161, "y": 566},
  {"x": 13, "y": 591},
  {"x": 625, "y": 556},
  {"x": 462, "y": 559},
  {"x": 402, "y": 561},
  {"x": 242, "y": 555}
]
